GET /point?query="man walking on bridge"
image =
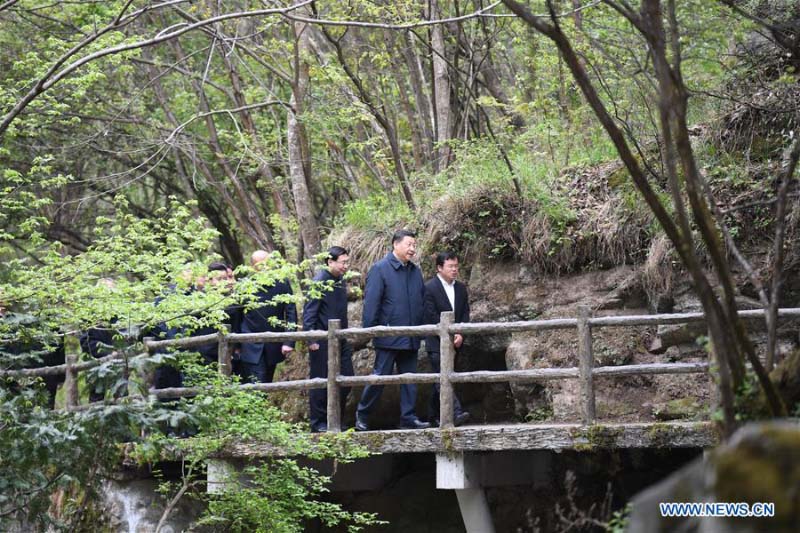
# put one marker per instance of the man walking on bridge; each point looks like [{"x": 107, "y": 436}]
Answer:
[
  {"x": 394, "y": 297},
  {"x": 332, "y": 305},
  {"x": 445, "y": 293},
  {"x": 258, "y": 360}
]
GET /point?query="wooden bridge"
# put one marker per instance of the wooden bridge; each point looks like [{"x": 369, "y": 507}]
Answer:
[
  {"x": 462, "y": 453},
  {"x": 447, "y": 437}
]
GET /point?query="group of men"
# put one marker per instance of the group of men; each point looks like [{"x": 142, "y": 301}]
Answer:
[
  {"x": 26, "y": 351},
  {"x": 273, "y": 312},
  {"x": 395, "y": 295}
]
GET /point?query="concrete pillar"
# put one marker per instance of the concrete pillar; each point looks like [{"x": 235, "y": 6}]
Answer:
[
  {"x": 475, "y": 510},
  {"x": 219, "y": 475},
  {"x": 461, "y": 472}
]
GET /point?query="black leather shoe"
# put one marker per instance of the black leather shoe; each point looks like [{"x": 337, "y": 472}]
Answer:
[
  {"x": 461, "y": 418},
  {"x": 414, "y": 424},
  {"x": 361, "y": 424},
  {"x": 319, "y": 428}
]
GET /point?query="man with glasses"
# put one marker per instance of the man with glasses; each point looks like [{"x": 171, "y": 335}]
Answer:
[
  {"x": 331, "y": 305},
  {"x": 445, "y": 293}
]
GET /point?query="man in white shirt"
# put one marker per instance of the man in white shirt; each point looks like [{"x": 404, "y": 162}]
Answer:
[{"x": 443, "y": 293}]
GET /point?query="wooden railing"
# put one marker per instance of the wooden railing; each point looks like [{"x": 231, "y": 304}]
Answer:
[{"x": 585, "y": 371}]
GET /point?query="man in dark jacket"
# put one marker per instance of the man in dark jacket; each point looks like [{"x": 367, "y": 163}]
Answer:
[
  {"x": 168, "y": 375},
  {"x": 98, "y": 342},
  {"x": 332, "y": 305},
  {"x": 219, "y": 274},
  {"x": 394, "y": 297},
  {"x": 443, "y": 293},
  {"x": 34, "y": 352},
  {"x": 257, "y": 361}
]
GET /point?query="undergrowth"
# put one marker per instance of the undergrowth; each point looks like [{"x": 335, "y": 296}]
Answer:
[{"x": 584, "y": 214}]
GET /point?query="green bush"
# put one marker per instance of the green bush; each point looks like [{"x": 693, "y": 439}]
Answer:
[{"x": 377, "y": 211}]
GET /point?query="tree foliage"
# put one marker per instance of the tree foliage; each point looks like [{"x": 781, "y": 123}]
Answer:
[{"x": 156, "y": 264}]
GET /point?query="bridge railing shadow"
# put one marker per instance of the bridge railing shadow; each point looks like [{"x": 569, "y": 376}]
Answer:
[{"x": 585, "y": 372}]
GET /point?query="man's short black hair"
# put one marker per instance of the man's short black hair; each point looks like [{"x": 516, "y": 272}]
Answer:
[
  {"x": 334, "y": 252},
  {"x": 401, "y": 234},
  {"x": 441, "y": 257},
  {"x": 218, "y": 265}
]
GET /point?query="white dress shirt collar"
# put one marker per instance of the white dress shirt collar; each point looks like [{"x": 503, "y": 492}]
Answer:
[{"x": 449, "y": 290}]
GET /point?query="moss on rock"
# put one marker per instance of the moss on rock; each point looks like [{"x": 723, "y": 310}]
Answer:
[
  {"x": 681, "y": 408},
  {"x": 763, "y": 467}
]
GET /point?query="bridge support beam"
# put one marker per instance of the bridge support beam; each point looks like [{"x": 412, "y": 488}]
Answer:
[
  {"x": 219, "y": 475},
  {"x": 461, "y": 472}
]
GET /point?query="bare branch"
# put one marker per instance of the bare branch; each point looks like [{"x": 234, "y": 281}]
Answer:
[
  {"x": 54, "y": 75},
  {"x": 216, "y": 31},
  {"x": 248, "y": 107},
  {"x": 407, "y": 26},
  {"x": 179, "y": 70},
  {"x": 778, "y": 252},
  {"x": 751, "y": 17},
  {"x": 740, "y": 258},
  {"x": 186, "y": 484},
  {"x": 121, "y": 13},
  {"x": 8, "y": 4}
]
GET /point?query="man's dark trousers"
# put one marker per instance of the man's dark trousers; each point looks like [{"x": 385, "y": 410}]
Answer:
[
  {"x": 406, "y": 361},
  {"x": 318, "y": 398},
  {"x": 433, "y": 407},
  {"x": 260, "y": 372}
]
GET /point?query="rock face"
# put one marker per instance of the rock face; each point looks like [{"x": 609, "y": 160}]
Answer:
[
  {"x": 512, "y": 293},
  {"x": 758, "y": 465},
  {"x": 134, "y": 506}
]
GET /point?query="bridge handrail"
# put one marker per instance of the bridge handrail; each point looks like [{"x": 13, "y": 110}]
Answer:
[
  {"x": 57, "y": 370},
  {"x": 585, "y": 372}
]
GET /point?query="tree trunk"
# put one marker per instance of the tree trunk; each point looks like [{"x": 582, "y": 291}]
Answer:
[
  {"x": 417, "y": 79},
  {"x": 380, "y": 116},
  {"x": 242, "y": 207},
  {"x": 413, "y": 123},
  {"x": 262, "y": 236},
  {"x": 298, "y": 163},
  {"x": 441, "y": 87}
]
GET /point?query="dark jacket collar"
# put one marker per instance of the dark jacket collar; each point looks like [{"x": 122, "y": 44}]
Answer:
[
  {"x": 336, "y": 281},
  {"x": 396, "y": 263},
  {"x": 325, "y": 273}
]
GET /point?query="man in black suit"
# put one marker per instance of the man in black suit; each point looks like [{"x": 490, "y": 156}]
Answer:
[
  {"x": 443, "y": 293},
  {"x": 258, "y": 360},
  {"x": 32, "y": 351},
  {"x": 103, "y": 340},
  {"x": 219, "y": 274},
  {"x": 98, "y": 342},
  {"x": 332, "y": 305}
]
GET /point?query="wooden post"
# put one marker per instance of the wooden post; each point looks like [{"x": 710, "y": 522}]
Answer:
[
  {"x": 224, "y": 356},
  {"x": 147, "y": 376},
  {"x": 334, "y": 369},
  {"x": 586, "y": 364},
  {"x": 71, "y": 397},
  {"x": 447, "y": 362},
  {"x": 716, "y": 384}
]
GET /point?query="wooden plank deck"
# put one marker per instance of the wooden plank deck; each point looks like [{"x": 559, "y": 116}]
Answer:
[{"x": 476, "y": 438}]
